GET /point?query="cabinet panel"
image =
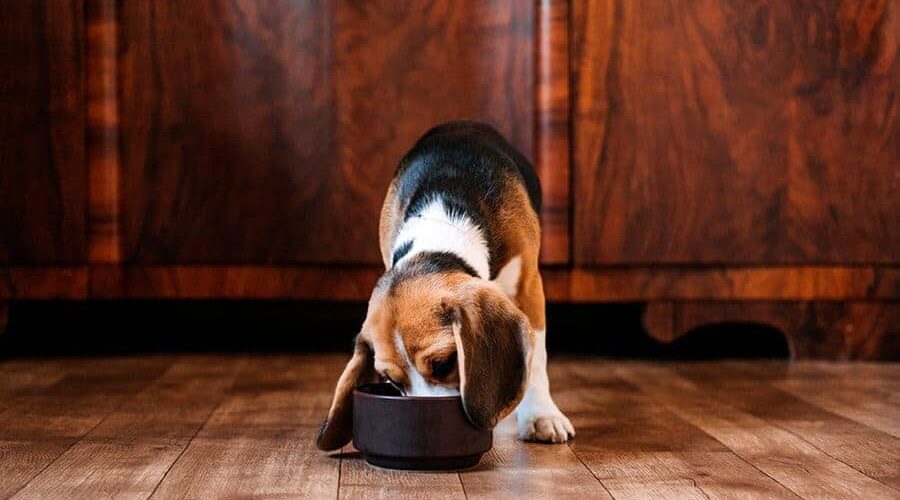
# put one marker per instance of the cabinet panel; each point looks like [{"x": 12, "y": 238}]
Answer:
[
  {"x": 43, "y": 179},
  {"x": 267, "y": 132},
  {"x": 736, "y": 132}
]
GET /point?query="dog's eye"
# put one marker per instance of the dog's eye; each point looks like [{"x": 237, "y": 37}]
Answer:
[{"x": 441, "y": 368}]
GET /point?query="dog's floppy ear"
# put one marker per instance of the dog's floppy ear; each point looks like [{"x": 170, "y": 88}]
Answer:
[
  {"x": 493, "y": 344},
  {"x": 337, "y": 429}
]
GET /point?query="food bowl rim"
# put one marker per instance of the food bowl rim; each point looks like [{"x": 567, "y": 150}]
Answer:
[{"x": 357, "y": 390}]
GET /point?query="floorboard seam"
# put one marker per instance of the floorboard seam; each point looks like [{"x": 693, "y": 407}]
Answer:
[
  {"x": 676, "y": 415},
  {"x": 337, "y": 494},
  {"x": 590, "y": 471},
  {"x": 187, "y": 445},
  {"x": 89, "y": 431},
  {"x": 462, "y": 484},
  {"x": 836, "y": 459}
]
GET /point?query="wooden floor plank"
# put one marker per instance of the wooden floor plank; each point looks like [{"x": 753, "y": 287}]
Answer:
[
  {"x": 127, "y": 454},
  {"x": 638, "y": 448},
  {"x": 259, "y": 440},
  {"x": 360, "y": 480},
  {"x": 243, "y": 466},
  {"x": 870, "y": 451},
  {"x": 514, "y": 470},
  {"x": 794, "y": 463},
  {"x": 38, "y": 425},
  {"x": 874, "y": 407},
  {"x": 207, "y": 426},
  {"x": 22, "y": 460}
]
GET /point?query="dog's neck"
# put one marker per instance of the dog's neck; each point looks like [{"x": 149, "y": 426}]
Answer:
[{"x": 434, "y": 230}]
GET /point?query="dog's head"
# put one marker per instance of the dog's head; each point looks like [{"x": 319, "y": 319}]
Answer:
[{"x": 437, "y": 333}]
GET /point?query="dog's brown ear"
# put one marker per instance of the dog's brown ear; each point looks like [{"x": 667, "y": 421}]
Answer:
[
  {"x": 337, "y": 429},
  {"x": 493, "y": 344}
]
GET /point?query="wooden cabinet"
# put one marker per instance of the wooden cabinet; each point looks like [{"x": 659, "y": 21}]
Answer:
[
  {"x": 718, "y": 161},
  {"x": 736, "y": 133},
  {"x": 43, "y": 181},
  {"x": 267, "y": 132}
]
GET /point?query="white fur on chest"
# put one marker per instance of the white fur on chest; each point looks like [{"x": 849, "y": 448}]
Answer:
[{"x": 433, "y": 230}]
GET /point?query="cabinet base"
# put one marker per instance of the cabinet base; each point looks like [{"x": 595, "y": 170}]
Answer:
[{"x": 814, "y": 330}]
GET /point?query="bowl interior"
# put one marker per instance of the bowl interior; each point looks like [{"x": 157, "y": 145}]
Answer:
[{"x": 384, "y": 390}]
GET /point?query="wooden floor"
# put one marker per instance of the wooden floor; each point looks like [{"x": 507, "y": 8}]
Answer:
[{"x": 214, "y": 426}]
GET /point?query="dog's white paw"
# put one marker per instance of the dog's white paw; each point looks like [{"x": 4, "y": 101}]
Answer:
[{"x": 543, "y": 422}]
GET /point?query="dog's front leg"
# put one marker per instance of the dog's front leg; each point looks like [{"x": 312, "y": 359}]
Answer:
[{"x": 537, "y": 415}]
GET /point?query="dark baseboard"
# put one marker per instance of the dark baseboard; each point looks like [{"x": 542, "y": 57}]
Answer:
[{"x": 64, "y": 328}]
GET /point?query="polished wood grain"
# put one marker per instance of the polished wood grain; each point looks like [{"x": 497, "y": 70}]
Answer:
[
  {"x": 721, "y": 133},
  {"x": 512, "y": 469},
  {"x": 43, "y": 184},
  {"x": 226, "y": 134},
  {"x": 780, "y": 454},
  {"x": 43, "y": 282},
  {"x": 404, "y": 67},
  {"x": 865, "y": 448},
  {"x": 814, "y": 330},
  {"x": 104, "y": 239},
  {"x": 624, "y": 284},
  {"x": 552, "y": 113},
  {"x": 259, "y": 441},
  {"x": 205, "y": 282},
  {"x": 241, "y": 426},
  {"x": 61, "y": 402},
  {"x": 561, "y": 285},
  {"x": 256, "y": 134}
]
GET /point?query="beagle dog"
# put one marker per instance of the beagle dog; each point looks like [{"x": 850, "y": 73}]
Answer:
[{"x": 460, "y": 307}]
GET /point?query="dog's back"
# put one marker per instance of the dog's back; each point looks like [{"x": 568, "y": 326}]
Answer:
[{"x": 473, "y": 171}]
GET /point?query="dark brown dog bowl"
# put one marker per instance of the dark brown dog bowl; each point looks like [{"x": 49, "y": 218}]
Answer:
[{"x": 415, "y": 433}]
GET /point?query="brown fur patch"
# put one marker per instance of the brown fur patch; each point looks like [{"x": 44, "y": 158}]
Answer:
[
  {"x": 337, "y": 429},
  {"x": 494, "y": 343},
  {"x": 389, "y": 223}
]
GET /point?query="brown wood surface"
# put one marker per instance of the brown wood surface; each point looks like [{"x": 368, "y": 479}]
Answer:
[
  {"x": 578, "y": 285},
  {"x": 204, "y": 282},
  {"x": 43, "y": 282},
  {"x": 104, "y": 238},
  {"x": 240, "y": 426},
  {"x": 814, "y": 330},
  {"x": 865, "y": 448},
  {"x": 256, "y": 134},
  {"x": 552, "y": 139},
  {"x": 749, "y": 133},
  {"x": 781, "y": 455},
  {"x": 622, "y": 284},
  {"x": 43, "y": 180}
]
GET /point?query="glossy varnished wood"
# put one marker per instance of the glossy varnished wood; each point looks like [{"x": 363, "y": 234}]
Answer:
[
  {"x": 43, "y": 180},
  {"x": 104, "y": 169},
  {"x": 552, "y": 138},
  {"x": 577, "y": 285},
  {"x": 226, "y": 131},
  {"x": 240, "y": 426},
  {"x": 43, "y": 282},
  {"x": 814, "y": 330},
  {"x": 750, "y": 133},
  {"x": 260, "y": 134}
]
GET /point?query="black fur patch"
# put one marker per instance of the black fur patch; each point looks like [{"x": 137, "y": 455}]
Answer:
[
  {"x": 467, "y": 165},
  {"x": 401, "y": 251},
  {"x": 431, "y": 263}
]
